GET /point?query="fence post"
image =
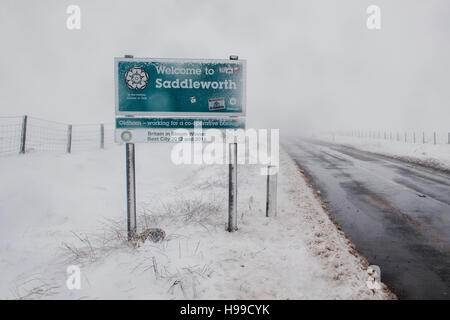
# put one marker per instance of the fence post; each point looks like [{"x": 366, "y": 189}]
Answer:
[
  {"x": 23, "y": 137},
  {"x": 414, "y": 137},
  {"x": 423, "y": 137},
  {"x": 449, "y": 138},
  {"x": 102, "y": 136},
  {"x": 434, "y": 137},
  {"x": 271, "y": 196},
  {"x": 406, "y": 137},
  {"x": 232, "y": 188},
  {"x": 69, "y": 138}
]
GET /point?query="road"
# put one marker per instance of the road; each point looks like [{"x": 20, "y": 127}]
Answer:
[{"x": 396, "y": 213}]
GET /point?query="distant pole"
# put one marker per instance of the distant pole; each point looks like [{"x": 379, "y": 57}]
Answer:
[
  {"x": 423, "y": 137},
  {"x": 385, "y": 137},
  {"x": 232, "y": 188},
  {"x": 69, "y": 138},
  {"x": 271, "y": 194},
  {"x": 406, "y": 137},
  {"x": 434, "y": 137},
  {"x": 23, "y": 138},
  {"x": 414, "y": 137},
  {"x": 449, "y": 138},
  {"x": 102, "y": 136}
]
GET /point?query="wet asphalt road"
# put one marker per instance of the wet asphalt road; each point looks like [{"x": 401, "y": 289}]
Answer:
[{"x": 396, "y": 213}]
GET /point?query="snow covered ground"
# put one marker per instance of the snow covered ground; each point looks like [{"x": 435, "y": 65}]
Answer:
[
  {"x": 428, "y": 154},
  {"x": 61, "y": 210}
]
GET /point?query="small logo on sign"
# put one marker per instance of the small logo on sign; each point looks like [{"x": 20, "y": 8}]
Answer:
[
  {"x": 216, "y": 103},
  {"x": 136, "y": 78},
  {"x": 126, "y": 136},
  {"x": 229, "y": 69}
]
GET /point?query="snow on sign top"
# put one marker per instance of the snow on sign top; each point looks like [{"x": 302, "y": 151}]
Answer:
[{"x": 180, "y": 87}]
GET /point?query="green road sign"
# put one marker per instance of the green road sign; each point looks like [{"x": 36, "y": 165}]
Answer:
[{"x": 180, "y": 87}]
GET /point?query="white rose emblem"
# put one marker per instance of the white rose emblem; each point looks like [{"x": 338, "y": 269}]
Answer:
[{"x": 136, "y": 78}]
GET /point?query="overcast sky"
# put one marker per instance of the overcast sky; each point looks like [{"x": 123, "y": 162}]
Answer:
[{"x": 312, "y": 64}]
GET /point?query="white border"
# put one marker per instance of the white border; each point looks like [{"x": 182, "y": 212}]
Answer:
[{"x": 242, "y": 63}]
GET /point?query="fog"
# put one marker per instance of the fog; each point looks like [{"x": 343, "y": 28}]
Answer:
[{"x": 312, "y": 65}]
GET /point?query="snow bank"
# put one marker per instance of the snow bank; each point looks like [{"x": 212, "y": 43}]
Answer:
[
  {"x": 61, "y": 210},
  {"x": 431, "y": 155}
]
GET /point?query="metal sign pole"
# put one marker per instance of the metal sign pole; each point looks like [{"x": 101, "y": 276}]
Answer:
[
  {"x": 131, "y": 186},
  {"x": 232, "y": 182},
  {"x": 232, "y": 188},
  {"x": 131, "y": 191}
]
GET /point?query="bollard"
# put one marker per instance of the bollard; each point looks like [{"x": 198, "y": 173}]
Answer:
[
  {"x": 232, "y": 188},
  {"x": 271, "y": 195}
]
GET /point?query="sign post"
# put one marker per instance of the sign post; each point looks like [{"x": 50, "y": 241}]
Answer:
[
  {"x": 131, "y": 190},
  {"x": 232, "y": 188},
  {"x": 167, "y": 100}
]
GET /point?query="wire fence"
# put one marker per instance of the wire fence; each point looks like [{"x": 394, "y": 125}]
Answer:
[
  {"x": 424, "y": 137},
  {"x": 24, "y": 134}
]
